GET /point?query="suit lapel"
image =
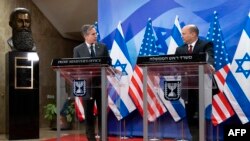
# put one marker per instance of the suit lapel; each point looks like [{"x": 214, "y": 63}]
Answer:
[
  {"x": 86, "y": 50},
  {"x": 98, "y": 50},
  {"x": 185, "y": 49},
  {"x": 195, "y": 50}
]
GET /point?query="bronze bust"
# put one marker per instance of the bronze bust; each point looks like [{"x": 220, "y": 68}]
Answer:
[{"x": 20, "y": 22}]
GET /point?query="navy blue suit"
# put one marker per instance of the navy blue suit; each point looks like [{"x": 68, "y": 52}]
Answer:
[
  {"x": 201, "y": 46},
  {"x": 82, "y": 50},
  {"x": 100, "y": 51}
]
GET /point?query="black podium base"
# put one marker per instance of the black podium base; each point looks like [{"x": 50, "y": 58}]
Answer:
[{"x": 22, "y": 101}]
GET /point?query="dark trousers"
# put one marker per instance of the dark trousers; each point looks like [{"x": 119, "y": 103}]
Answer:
[
  {"x": 89, "y": 115},
  {"x": 192, "y": 111}
]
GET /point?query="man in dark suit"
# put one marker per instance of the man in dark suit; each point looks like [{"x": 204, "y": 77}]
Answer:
[
  {"x": 190, "y": 37},
  {"x": 194, "y": 45},
  {"x": 90, "y": 48}
]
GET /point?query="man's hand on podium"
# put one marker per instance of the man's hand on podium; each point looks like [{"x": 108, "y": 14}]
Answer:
[
  {"x": 211, "y": 68},
  {"x": 115, "y": 72}
]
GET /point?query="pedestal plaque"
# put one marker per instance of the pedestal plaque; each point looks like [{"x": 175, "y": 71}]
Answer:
[{"x": 22, "y": 90}]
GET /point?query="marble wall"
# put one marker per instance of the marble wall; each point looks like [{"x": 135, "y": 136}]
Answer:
[{"x": 50, "y": 44}]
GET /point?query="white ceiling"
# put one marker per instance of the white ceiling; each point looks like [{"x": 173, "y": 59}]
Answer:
[{"x": 67, "y": 16}]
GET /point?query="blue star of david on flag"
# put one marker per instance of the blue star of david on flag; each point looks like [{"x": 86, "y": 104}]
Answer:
[
  {"x": 241, "y": 68},
  {"x": 122, "y": 66},
  {"x": 118, "y": 99}
]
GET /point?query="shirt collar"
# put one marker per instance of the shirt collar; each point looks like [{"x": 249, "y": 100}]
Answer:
[
  {"x": 193, "y": 44},
  {"x": 90, "y": 45}
]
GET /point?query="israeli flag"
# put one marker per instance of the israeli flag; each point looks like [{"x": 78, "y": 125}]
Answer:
[
  {"x": 237, "y": 86},
  {"x": 119, "y": 100}
]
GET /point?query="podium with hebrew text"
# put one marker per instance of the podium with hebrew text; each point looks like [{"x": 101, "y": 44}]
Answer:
[
  {"x": 75, "y": 78},
  {"x": 167, "y": 79}
]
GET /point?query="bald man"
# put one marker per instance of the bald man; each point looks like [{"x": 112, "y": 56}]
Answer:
[
  {"x": 190, "y": 37},
  {"x": 194, "y": 45}
]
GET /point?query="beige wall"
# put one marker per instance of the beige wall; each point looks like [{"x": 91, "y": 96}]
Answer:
[{"x": 49, "y": 45}]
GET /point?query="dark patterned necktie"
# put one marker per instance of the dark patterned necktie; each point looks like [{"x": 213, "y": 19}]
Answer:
[
  {"x": 190, "y": 49},
  {"x": 92, "y": 52}
]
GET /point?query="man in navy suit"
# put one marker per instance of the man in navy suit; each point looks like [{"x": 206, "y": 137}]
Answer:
[
  {"x": 90, "y": 48},
  {"x": 194, "y": 45},
  {"x": 190, "y": 37}
]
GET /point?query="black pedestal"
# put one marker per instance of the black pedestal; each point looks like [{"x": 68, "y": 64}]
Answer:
[{"x": 22, "y": 95}]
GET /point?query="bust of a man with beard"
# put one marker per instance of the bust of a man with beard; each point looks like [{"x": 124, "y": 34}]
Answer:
[{"x": 20, "y": 22}]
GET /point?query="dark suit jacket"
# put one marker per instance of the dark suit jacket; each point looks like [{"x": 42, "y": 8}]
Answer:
[
  {"x": 201, "y": 46},
  {"x": 83, "y": 51}
]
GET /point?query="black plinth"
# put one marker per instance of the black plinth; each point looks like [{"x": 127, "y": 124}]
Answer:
[{"x": 22, "y": 95}]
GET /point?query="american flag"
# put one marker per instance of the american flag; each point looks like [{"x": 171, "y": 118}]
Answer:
[
  {"x": 155, "y": 106},
  {"x": 221, "y": 108},
  {"x": 79, "y": 110}
]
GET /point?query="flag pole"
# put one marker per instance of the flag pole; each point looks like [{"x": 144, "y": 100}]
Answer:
[
  {"x": 123, "y": 123},
  {"x": 155, "y": 121},
  {"x": 97, "y": 129},
  {"x": 154, "y": 137},
  {"x": 182, "y": 132},
  {"x": 217, "y": 133},
  {"x": 124, "y": 137}
]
